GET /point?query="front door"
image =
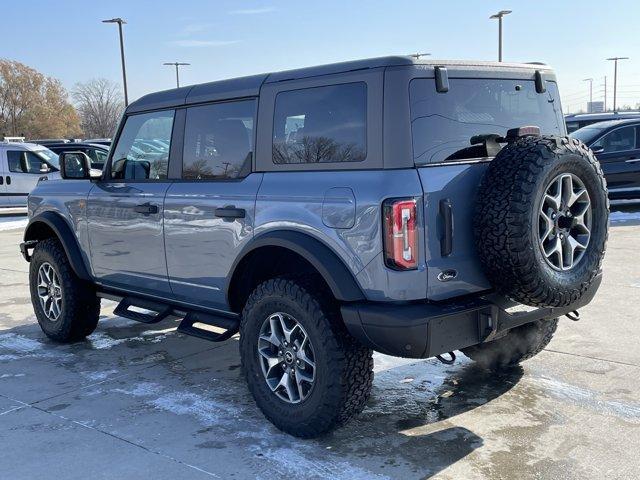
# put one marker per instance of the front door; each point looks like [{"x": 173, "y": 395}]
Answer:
[
  {"x": 209, "y": 210},
  {"x": 125, "y": 209},
  {"x": 25, "y": 169},
  {"x": 619, "y": 154}
]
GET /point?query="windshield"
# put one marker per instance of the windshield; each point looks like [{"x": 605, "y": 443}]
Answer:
[
  {"x": 442, "y": 124},
  {"x": 48, "y": 156},
  {"x": 587, "y": 134}
]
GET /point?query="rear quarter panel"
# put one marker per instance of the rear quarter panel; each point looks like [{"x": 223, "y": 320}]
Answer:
[{"x": 296, "y": 201}]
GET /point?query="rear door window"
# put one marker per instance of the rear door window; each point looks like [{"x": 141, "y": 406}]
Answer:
[
  {"x": 443, "y": 123},
  {"x": 321, "y": 124},
  {"x": 218, "y": 141}
]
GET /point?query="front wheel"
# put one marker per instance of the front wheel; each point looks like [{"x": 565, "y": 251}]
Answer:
[
  {"x": 306, "y": 373},
  {"x": 66, "y": 307}
]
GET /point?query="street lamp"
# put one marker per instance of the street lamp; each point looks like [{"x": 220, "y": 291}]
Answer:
[
  {"x": 120, "y": 22},
  {"x": 590, "y": 80},
  {"x": 177, "y": 64},
  {"x": 615, "y": 77},
  {"x": 499, "y": 16}
]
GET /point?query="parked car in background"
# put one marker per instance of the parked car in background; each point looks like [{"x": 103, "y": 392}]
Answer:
[
  {"x": 22, "y": 166},
  {"x": 617, "y": 146},
  {"x": 580, "y": 120},
  {"x": 101, "y": 141},
  {"x": 95, "y": 151}
]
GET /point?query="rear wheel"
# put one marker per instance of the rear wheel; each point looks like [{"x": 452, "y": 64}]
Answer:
[
  {"x": 66, "y": 307},
  {"x": 518, "y": 345},
  {"x": 306, "y": 373}
]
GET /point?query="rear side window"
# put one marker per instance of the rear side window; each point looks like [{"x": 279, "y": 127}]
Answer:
[
  {"x": 218, "y": 141},
  {"x": 321, "y": 125},
  {"x": 443, "y": 123},
  {"x": 142, "y": 151}
]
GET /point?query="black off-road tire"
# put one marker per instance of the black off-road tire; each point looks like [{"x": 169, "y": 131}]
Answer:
[
  {"x": 517, "y": 345},
  {"x": 344, "y": 368},
  {"x": 506, "y": 220},
  {"x": 80, "y": 306}
]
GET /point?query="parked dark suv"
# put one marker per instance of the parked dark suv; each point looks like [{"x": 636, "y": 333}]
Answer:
[
  {"x": 404, "y": 206},
  {"x": 616, "y": 144}
]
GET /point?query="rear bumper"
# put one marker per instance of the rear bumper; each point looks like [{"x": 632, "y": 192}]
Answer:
[{"x": 422, "y": 330}]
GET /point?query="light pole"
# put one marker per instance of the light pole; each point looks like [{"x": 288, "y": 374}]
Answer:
[
  {"x": 590, "y": 80},
  {"x": 120, "y": 22},
  {"x": 615, "y": 77},
  {"x": 499, "y": 16},
  {"x": 177, "y": 64}
]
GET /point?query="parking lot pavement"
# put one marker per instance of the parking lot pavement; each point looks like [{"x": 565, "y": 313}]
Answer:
[{"x": 140, "y": 400}]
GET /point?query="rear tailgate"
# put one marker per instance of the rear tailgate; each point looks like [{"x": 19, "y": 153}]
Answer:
[
  {"x": 450, "y": 167},
  {"x": 451, "y": 270}
]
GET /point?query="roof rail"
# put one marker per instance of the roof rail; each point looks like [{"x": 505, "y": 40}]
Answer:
[{"x": 13, "y": 139}]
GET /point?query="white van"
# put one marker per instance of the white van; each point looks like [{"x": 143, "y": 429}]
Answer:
[{"x": 22, "y": 166}]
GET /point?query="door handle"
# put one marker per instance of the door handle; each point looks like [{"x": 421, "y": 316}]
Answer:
[
  {"x": 230, "y": 212},
  {"x": 1, "y": 179},
  {"x": 146, "y": 209},
  {"x": 8, "y": 180}
]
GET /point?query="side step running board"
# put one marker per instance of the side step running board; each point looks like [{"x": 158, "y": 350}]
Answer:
[
  {"x": 194, "y": 321},
  {"x": 157, "y": 311}
]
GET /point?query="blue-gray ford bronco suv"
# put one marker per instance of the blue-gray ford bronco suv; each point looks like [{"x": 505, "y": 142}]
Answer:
[{"x": 410, "y": 207}]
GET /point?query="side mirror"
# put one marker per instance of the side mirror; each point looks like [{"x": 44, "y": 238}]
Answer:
[{"x": 77, "y": 166}]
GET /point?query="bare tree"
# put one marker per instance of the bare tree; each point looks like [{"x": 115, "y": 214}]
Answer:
[
  {"x": 100, "y": 106},
  {"x": 33, "y": 105}
]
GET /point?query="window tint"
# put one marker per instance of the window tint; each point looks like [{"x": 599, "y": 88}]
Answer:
[
  {"x": 443, "y": 123},
  {"x": 619, "y": 140},
  {"x": 142, "y": 151},
  {"x": 321, "y": 124},
  {"x": 218, "y": 140},
  {"x": 24, "y": 162}
]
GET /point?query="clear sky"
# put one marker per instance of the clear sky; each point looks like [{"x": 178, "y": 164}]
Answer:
[{"x": 223, "y": 39}]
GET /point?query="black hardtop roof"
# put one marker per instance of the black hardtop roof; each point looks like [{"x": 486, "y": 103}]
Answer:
[
  {"x": 607, "y": 124},
  {"x": 250, "y": 86}
]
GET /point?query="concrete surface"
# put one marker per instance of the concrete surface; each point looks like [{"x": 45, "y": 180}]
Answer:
[{"x": 140, "y": 401}]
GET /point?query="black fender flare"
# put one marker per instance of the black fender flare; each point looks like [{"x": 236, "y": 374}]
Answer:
[
  {"x": 332, "y": 269},
  {"x": 66, "y": 237}
]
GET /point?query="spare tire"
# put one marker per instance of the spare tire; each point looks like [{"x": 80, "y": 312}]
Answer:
[{"x": 541, "y": 220}]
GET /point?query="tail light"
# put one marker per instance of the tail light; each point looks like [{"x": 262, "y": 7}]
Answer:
[{"x": 400, "y": 234}]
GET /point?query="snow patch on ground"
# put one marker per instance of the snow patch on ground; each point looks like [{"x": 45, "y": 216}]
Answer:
[
  {"x": 206, "y": 410},
  {"x": 622, "y": 217},
  {"x": 99, "y": 376},
  {"x": 625, "y": 410},
  {"x": 12, "y": 223},
  {"x": 19, "y": 343}
]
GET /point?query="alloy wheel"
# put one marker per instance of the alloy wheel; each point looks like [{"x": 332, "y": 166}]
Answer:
[
  {"x": 287, "y": 358},
  {"x": 564, "y": 222}
]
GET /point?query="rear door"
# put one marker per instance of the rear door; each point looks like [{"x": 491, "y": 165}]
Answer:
[
  {"x": 619, "y": 154},
  {"x": 209, "y": 210},
  {"x": 124, "y": 209},
  {"x": 451, "y": 168}
]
